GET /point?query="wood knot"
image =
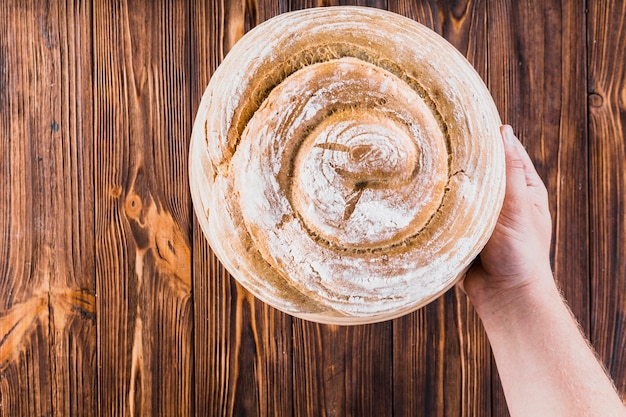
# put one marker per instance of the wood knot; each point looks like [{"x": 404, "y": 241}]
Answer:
[
  {"x": 595, "y": 100},
  {"x": 116, "y": 191},
  {"x": 133, "y": 206}
]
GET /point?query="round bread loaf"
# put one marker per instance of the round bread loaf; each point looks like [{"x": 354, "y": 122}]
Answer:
[{"x": 346, "y": 164}]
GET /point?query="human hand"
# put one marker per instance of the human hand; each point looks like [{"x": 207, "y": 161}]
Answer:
[
  {"x": 518, "y": 252},
  {"x": 546, "y": 366}
]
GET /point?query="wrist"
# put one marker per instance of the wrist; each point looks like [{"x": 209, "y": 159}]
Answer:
[{"x": 495, "y": 303}]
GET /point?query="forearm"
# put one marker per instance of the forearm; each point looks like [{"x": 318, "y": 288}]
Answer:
[{"x": 545, "y": 364}]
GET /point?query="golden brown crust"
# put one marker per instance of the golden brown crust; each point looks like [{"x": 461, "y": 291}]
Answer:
[{"x": 346, "y": 164}]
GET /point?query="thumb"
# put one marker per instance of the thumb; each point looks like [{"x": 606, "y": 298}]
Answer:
[
  {"x": 517, "y": 156},
  {"x": 515, "y": 164}
]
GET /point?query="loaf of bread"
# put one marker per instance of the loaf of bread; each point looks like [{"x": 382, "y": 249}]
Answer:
[{"x": 346, "y": 164}]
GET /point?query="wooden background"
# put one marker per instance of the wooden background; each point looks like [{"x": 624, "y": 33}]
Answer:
[{"x": 111, "y": 302}]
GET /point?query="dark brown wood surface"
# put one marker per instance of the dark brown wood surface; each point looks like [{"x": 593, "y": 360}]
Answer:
[{"x": 111, "y": 301}]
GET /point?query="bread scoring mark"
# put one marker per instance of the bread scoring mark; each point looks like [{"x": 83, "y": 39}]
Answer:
[
  {"x": 354, "y": 199},
  {"x": 360, "y": 155},
  {"x": 338, "y": 147}
]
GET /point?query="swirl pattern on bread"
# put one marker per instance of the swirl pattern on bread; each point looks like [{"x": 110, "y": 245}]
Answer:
[{"x": 346, "y": 164}]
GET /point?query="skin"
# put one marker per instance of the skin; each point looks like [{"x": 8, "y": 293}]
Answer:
[{"x": 546, "y": 365}]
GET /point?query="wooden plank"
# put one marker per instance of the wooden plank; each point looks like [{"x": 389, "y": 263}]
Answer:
[
  {"x": 606, "y": 38},
  {"x": 25, "y": 356},
  {"x": 47, "y": 294},
  {"x": 143, "y": 212},
  {"x": 242, "y": 347},
  {"x": 418, "y": 341},
  {"x": 210, "y": 281},
  {"x": 342, "y": 371}
]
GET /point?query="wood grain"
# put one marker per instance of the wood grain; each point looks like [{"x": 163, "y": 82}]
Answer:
[
  {"x": 47, "y": 294},
  {"x": 112, "y": 303},
  {"x": 142, "y": 211},
  {"x": 211, "y": 283},
  {"x": 607, "y": 185}
]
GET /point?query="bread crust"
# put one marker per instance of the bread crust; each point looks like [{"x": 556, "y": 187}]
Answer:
[{"x": 346, "y": 164}]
